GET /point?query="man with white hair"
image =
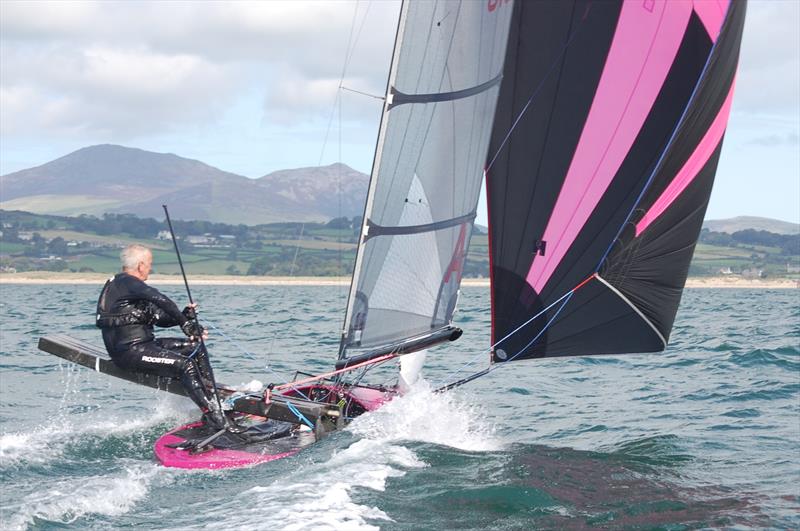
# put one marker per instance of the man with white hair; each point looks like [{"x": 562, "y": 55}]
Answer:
[{"x": 126, "y": 312}]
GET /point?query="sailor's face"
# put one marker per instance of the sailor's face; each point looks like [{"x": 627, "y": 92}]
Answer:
[{"x": 145, "y": 266}]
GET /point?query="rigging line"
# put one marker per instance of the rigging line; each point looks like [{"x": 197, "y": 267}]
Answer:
[
  {"x": 536, "y": 91},
  {"x": 299, "y": 415},
  {"x": 543, "y": 330},
  {"x": 520, "y": 327},
  {"x": 567, "y": 296},
  {"x": 675, "y": 130},
  {"x": 252, "y": 356},
  {"x": 348, "y": 89},
  {"x": 348, "y": 49},
  {"x": 495, "y": 366},
  {"x": 339, "y": 190},
  {"x": 345, "y": 64},
  {"x": 271, "y": 348},
  {"x": 336, "y": 373},
  {"x": 352, "y": 42}
]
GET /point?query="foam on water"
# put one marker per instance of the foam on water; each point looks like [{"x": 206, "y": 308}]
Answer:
[
  {"x": 64, "y": 502},
  {"x": 320, "y": 496},
  {"x": 424, "y": 416},
  {"x": 46, "y": 442},
  {"x": 368, "y": 463},
  {"x": 379, "y": 454}
]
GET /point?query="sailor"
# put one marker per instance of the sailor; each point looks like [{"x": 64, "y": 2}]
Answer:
[{"x": 128, "y": 309}]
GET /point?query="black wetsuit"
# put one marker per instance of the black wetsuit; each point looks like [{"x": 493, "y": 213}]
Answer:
[{"x": 127, "y": 310}]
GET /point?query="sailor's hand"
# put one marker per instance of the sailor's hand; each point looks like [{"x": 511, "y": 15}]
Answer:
[
  {"x": 190, "y": 312},
  {"x": 194, "y": 331}
]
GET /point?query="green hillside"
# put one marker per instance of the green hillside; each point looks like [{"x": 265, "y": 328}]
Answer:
[
  {"x": 740, "y": 223},
  {"x": 32, "y": 242}
]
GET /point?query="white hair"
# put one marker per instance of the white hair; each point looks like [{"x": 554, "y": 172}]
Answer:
[{"x": 132, "y": 255}]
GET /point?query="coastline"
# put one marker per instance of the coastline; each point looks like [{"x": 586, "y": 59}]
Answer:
[{"x": 49, "y": 277}]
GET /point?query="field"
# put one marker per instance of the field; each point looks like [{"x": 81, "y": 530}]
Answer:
[{"x": 86, "y": 244}]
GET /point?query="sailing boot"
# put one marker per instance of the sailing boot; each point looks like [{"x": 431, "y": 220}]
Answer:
[
  {"x": 213, "y": 415},
  {"x": 214, "y": 418}
]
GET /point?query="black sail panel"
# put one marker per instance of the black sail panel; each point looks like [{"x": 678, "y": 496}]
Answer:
[{"x": 602, "y": 181}]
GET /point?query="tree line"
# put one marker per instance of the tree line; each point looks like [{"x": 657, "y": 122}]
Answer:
[{"x": 789, "y": 244}]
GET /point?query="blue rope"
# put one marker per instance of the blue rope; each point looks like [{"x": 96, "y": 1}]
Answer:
[
  {"x": 567, "y": 296},
  {"x": 299, "y": 415},
  {"x": 194, "y": 352},
  {"x": 545, "y": 327}
]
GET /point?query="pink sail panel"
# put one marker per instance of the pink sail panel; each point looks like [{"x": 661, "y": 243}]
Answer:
[
  {"x": 644, "y": 47},
  {"x": 692, "y": 167},
  {"x": 712, "y": 14}
]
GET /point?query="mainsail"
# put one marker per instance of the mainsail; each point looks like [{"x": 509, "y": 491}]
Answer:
[
  {"x": 426, "y": 177},
  {"x": 606, "y": 139}
]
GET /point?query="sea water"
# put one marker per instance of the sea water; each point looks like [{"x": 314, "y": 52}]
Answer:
[{"x": 703, "y": 435}]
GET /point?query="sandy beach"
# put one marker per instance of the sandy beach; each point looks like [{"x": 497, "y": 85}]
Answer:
[{"x": 49, "y": 277}]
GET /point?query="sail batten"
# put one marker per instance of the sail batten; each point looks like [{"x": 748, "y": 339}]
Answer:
[
  {"x": 378, "y": 230},
  {"x": 399, "y": 98}
]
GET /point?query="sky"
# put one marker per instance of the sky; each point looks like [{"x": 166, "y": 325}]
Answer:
[{"x": 253, "y": 87}]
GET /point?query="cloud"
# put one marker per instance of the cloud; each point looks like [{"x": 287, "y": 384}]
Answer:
[
  {"x": 120, "y": 70},
  {"x": 776, "y": 140},
  {"x": 769, "y": 65},
  {"x": 112, "y": 92}
]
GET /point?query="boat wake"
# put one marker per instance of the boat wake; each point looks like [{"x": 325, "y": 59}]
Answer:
[
  {"x": 437, "y": 418},
  {"x": 48, "y": 442},
  {"x": 355, "y": 475},
  {"x": 61, "y": 448},
  {"x": 323, "y": 495}
]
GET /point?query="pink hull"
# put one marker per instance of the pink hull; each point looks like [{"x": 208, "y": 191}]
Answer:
[
  {"x": 369, "y": 399},
  {"x": 212, "y": 459}
]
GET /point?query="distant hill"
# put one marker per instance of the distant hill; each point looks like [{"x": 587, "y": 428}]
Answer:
[
  {"x": 738, "y": 223},
  {"x": 116, "y": 179},
  {"x": 334, "y": 191}
]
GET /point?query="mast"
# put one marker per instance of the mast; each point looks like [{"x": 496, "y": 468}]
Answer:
[{"x": 376, "y": 159}]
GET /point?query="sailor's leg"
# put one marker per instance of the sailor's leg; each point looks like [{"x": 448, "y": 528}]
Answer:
[
  {"x": 194, "y": 380},
  {"x": 153, "y": 358},
  {"x": 196, "y": 351},
  {"x": 181, "y": 345}
]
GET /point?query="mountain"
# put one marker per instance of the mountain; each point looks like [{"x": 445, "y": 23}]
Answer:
[
  {"x": 738, "y": 223},
  {"x": 116, "y": 179},
  {"x": 321, "y": 188}
]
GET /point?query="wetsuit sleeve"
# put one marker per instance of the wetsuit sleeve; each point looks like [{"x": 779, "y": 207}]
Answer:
[
  {"x": 164, "y": 320},
  {"x": 142, "y": 291}
]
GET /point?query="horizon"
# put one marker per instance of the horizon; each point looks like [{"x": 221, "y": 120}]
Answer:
[{"x": 242, "y": 88}]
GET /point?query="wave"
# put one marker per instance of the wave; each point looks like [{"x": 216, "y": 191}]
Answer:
[
  {"x": 784, "y": 357},
  {"x": 61, "y": 502}
]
